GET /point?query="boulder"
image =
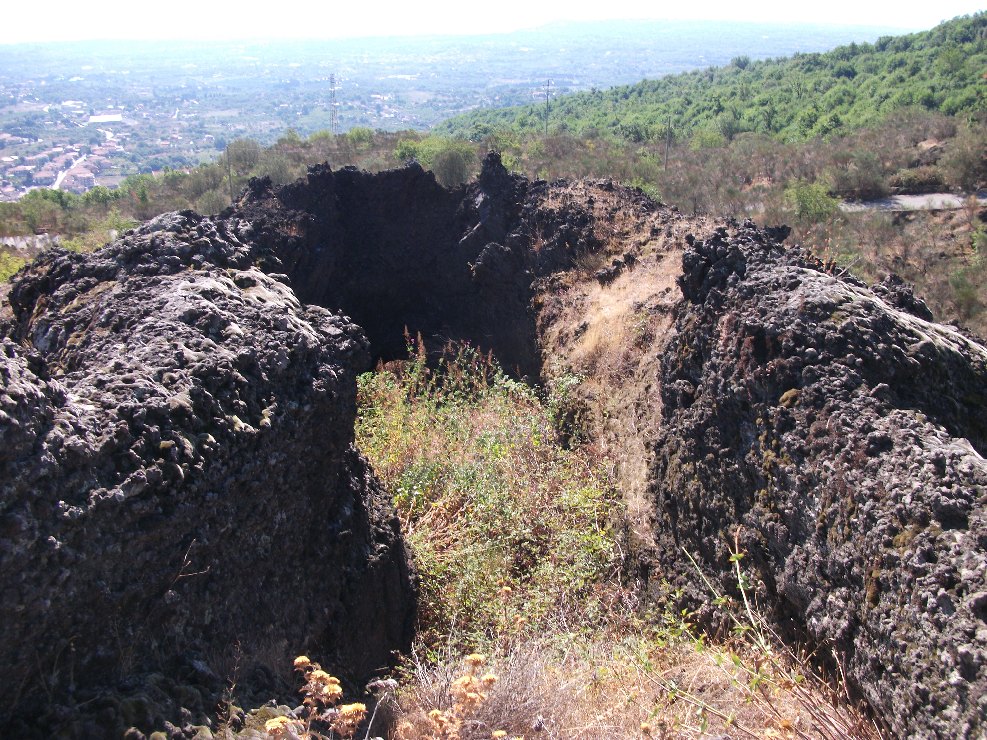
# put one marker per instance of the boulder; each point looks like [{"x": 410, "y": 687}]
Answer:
[
  {"x": 835, "y": 436},
  {"x": 179, "y": 492}
]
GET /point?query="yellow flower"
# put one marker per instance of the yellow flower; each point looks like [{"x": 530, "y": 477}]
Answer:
[
  {"x": 475, "y": 659},
  {"x": 278, "y": 726},
  {"x": 439, "y": 719},
  {"x": 348, "y": 717},
  {"x": 488, "y": 679},
  {"x": 353, "y": 710},
  {"x": 464, "y": 683},
  {"x": 645, "y": 728},
  {"x": 302, "y": 662},
  {"x": 320, "y": 677},
  {"x": 499, "y": 734},
  {"x": 333, "y": 692}
]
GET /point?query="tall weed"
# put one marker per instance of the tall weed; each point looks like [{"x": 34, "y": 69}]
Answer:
[{"x": 511, "y": 531}]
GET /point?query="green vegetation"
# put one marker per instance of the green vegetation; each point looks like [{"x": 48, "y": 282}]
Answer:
[
  {"x": 9, "y": 264},
  {"x": 810, "y": 203},
  {"x": 511, "y": 531},
  {"x": 751, "y": 176},
  {"x": 452, "y": 160},
  {"x": 723, "y": 157},
  {"x": 519, "y": 547},
  {"x": 100, "y": 209},
  {"x": 795, "y": 99}
]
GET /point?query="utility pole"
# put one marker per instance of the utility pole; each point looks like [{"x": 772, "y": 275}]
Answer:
[
  {"x": 229, "y": 172},
  {"x": 333, "y": 116},
  {"x": 548, "y": 107}
]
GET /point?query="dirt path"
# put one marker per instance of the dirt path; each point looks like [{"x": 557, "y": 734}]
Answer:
[{"x": 926, "y": 202}]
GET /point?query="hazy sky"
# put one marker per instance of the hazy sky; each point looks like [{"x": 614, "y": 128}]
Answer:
[{"x": 53, "y": 20}]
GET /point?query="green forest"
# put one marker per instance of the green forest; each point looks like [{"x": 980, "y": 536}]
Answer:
[{"x": 796, "y": 99}]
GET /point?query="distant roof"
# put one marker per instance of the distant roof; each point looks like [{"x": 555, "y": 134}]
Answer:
[{"x": 108, "y": 118}]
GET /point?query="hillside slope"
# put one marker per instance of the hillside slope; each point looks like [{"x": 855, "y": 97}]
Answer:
[{"x": 797, "y": 98}]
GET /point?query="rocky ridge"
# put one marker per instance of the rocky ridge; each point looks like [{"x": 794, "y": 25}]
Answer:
[
  {"x": 177, "y": 479},
  {"x": 833, "y": 435},
  {"x": 751, "y": 397}
]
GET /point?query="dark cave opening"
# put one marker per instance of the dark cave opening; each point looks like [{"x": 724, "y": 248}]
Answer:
[{"x": 400, "y": 254}]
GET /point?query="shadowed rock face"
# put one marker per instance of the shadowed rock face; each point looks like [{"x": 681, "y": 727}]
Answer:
[
  {"x": 397, "y": 251},
  {"x": 178, "y": 483},
  {"x": 177, "y": 474},
  {"x": 841, "y": 435}
]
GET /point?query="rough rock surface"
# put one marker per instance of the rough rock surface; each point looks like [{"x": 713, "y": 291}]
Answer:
[
  {"x": 176, "y": 470},
  {"x": 178, "y": 485},
  {"x": 839, "y": 435}
]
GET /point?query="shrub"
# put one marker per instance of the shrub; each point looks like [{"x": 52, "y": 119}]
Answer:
[
  {"x": 9, "y": 264},
  {"x": 451, "y": 160},
  {"x": 966, "y": 294},
  {"x": 212, "y": 201},
  {"x": 918, "y": 180},
  {"x": 707, "y": 138},
  {"x": 965, "y": 161},
  {"x": 860, "y": 177},
  {"x": 811, "y": 202},
  {"x": 450, "y": 167},
  {"x": 360, "y": 136}
]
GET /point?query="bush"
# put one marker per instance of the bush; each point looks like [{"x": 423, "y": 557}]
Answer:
[
  {"x": 860, "y": 178},
  {"x": 918, "y": 180},
  {"x": 811, "y": 202},
  {"x": 706, "y": 138},
  {"x": 360, "y": 136},
  {"x": 965, "y": 161},
  {"x": 9, "y": 264},
  {"x": 450, "y": 167},
  {"x": 451, "y": 160},
  {"x": 966, "y": 292},
  {"x": 213, "y": 201}
]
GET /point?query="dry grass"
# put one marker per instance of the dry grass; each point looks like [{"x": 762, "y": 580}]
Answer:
[
  {"x": 609, "y": 335},
  {"x": 628, "y": 686},
  {"x": 935, "y": 251},
  {"x": 519, "y": 549}
]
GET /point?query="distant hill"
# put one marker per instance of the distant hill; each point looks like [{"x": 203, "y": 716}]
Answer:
[{"x": 799, "y": 97}]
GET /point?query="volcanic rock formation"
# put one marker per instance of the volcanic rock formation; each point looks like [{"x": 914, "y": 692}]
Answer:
[
  {"x": 837, "y": 438},
  {"x": 176, "y": 460},
  {"x": 178, "y": 483}
]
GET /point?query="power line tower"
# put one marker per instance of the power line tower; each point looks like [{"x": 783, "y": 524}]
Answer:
[
  {"x": 333, "y": 115},
  {"x": 548, "y": 105}
]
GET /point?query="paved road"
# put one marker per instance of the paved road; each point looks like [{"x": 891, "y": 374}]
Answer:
[
  {"x": 63, "y": 173},
  {"x": 928, "y": 202}
]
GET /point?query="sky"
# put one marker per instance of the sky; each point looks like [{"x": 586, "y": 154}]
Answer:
[{"x": 61, "y": 20}]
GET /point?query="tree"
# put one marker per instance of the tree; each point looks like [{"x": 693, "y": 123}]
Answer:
[
  {"x": 244, "y": 155},
  {"x": 450, "y": 167}
]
